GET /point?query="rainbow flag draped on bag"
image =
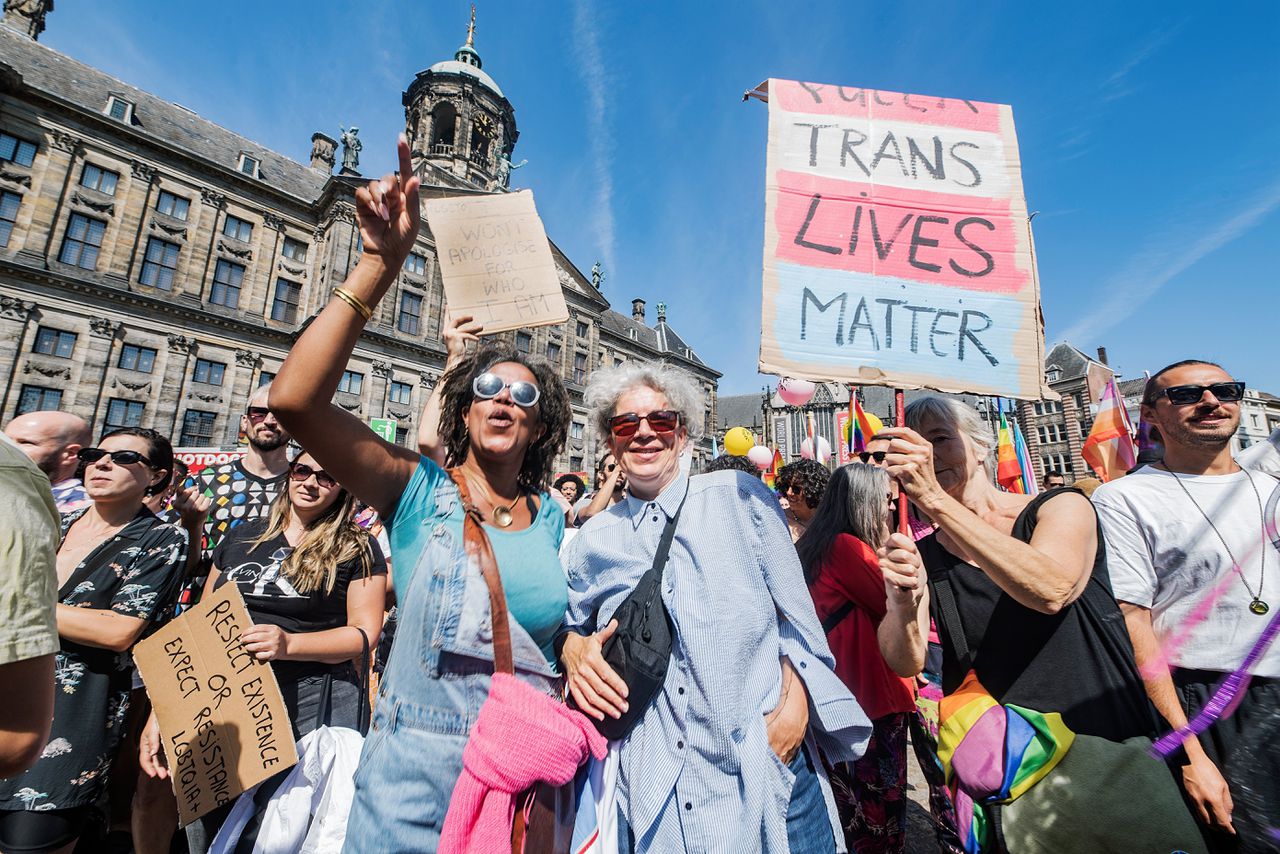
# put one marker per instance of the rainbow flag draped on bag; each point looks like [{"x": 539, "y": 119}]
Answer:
[{"x": 993, "y": 753}]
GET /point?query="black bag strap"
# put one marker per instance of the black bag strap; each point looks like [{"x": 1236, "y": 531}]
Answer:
[
  {"x": 363, "y": 713},
  {"x": 951, "y": 620},
  {"x": 836, "y": 617}
]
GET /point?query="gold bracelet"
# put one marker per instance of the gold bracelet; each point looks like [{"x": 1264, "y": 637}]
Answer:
[{"x": 354, "y": 301}]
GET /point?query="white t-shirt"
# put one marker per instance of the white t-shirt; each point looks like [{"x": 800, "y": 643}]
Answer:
[{"x": 1163, "y": 555}]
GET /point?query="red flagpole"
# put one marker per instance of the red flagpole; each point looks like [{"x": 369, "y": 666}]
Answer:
[{"x": 899, "y": 400}]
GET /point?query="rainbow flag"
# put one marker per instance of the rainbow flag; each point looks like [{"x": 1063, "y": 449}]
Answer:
[
  {"x": 860, "y": 427},
  {"x": 1008, "y": 466},
  {"x": 993, "y": 753},
  {"x": 1109, "y": 450}
]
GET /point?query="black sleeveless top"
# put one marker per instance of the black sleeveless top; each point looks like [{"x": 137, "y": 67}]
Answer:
[{"x": 1078, "y": 662}]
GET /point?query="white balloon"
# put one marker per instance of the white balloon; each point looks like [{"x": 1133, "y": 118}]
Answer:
[
  {"x": 762, "y": 456},
  {"x": 796, "y": 392}
]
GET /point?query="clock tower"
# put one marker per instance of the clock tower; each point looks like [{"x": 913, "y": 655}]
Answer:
[{"x": 461, "y": 128}]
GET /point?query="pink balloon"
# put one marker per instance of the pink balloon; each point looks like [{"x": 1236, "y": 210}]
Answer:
[
  {"x": 795, "y": 392},
  {"x": 761, "y": 456}
]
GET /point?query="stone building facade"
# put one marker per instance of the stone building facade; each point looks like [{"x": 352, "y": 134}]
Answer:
[{"x": 155, "y": 268}]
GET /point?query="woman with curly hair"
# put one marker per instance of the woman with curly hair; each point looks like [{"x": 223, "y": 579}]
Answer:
[
  {"x": 503, "y": 419},
  {"x": 802, "y": 484}
]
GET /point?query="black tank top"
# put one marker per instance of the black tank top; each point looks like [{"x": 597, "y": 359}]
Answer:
[{"x": 1078, "y": 662}]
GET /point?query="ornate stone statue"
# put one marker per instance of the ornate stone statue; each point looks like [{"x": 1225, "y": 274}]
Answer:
[
  {"x": 504, "y": 169},
  {"x": 27, "y": 15},
  {"x": 351, "y": 149},
  {"x": 597, "y": 275}
]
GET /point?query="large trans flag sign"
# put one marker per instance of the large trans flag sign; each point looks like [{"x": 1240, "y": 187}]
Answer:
[{"x": 897, "y": 244}]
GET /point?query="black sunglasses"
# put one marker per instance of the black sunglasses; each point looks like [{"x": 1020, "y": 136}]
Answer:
[
  {"x": 257, "y": 413},
  {"x": 489, "y": 385},
  {"x": 878, "y": 456},
  {"x": 119, "y": 458},
  {"x": 1185, "y": 395},
  {"x": 301, "y": 471}
]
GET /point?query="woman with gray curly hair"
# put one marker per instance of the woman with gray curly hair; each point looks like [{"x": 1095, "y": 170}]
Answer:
[{"x": 727, "y": 749}]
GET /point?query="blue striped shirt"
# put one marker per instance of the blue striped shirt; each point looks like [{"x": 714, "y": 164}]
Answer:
[{"x": 697, "y": 773}]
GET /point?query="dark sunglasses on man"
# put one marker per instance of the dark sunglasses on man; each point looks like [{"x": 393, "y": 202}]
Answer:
[
  {"x": 118, "y": 458},
  {"x": 868, "y": 456},
  {"x": 627, "y": 424},
  {"x": 257, "y": 414},
  {"x": 301, "y": 472},
  {"x": 488, "y": 385},
  {"x": 1186, "y": 395}
]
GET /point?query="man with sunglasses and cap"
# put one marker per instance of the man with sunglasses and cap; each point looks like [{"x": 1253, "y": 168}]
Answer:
[
  {"x": 1195, "y": 564},
  {"x": 242, "y": 490}
]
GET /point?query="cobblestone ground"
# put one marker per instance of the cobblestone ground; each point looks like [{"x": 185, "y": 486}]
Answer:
[{"x": 920, "y": 838}]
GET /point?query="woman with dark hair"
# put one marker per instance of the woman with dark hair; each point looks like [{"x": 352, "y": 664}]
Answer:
[
  {"x": 119, "y": 568},
  {"x": 842, "y": 569},
  {"x": 503, "y": 419},
  {"x": 801, "y": 483}
]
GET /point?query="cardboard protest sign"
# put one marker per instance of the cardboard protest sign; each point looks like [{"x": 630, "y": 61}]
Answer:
[
  {"x": 495, "y": 261},
  {"x": 897, "y": 244},
  {"x": 224, "y": 724}
]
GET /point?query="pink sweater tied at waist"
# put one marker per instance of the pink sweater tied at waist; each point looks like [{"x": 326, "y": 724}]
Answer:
[{"x": 520, "y": 737}]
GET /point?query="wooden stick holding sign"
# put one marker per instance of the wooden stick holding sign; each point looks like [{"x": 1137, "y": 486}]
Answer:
[
  {"x": 224, "y": 724},
  {"x": 496, "y": 262}
]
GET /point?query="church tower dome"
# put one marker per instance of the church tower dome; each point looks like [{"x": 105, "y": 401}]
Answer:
[{"x": 460, "y": 126}]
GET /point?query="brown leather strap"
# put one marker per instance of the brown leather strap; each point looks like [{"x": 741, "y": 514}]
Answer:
[{"x": 476, "y": 542}]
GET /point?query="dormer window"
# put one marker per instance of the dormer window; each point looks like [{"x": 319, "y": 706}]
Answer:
[
  {"x": 120, "y": 109},
  {"x": 248, "y": 165},
  {"x": 1053, "y": 374}
]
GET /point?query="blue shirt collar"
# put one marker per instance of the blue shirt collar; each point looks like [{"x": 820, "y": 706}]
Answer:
[{"x": 668, "y": 500}]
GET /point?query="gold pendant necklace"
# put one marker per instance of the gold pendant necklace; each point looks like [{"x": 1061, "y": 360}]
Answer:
[{"x": 499, "y": 515}]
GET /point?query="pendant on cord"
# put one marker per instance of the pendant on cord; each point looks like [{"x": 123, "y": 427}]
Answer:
[{"x": 1259, "y": 607}]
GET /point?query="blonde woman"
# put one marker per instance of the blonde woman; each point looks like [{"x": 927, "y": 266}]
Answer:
[{"x": 314, "y": 582}]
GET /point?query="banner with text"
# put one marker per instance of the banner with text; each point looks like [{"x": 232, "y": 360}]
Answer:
[
  {"x": 496, "y": 262},
  {"x": 223, "y": 722},
  {"x": 897, "y": 244}
]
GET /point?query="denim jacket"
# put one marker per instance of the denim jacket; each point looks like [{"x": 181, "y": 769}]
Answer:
[{"x": 435, "y": 682}]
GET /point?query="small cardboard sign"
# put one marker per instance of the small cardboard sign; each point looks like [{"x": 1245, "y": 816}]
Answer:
[
  {"x": 223, "y": 722},
  {"x": 496, "y": 262}
]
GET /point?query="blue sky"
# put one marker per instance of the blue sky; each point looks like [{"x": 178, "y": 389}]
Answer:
[{"x": 1148, "y": 134}]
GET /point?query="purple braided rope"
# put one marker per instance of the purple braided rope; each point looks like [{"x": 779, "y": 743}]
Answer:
[{"x": 1223, "y": 696}]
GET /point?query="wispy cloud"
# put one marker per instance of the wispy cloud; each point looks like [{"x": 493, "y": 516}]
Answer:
[
  {"x": 1116, "y": 86},
  {"x": 596, "y": 77},
  {"x": 1163, "y": 260}
]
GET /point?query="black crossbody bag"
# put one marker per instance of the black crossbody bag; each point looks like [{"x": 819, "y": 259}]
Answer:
[{"x": 641, "y": 647}]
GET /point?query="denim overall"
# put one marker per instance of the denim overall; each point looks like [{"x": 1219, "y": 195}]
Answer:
[{"x": 435, "y": 682}]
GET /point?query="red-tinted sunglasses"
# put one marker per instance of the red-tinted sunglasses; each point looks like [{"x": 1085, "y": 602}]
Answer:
[{"x": 627, "y": 424}]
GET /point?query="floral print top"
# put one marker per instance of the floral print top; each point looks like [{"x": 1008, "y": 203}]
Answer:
[{"x": 137, "y": 573}]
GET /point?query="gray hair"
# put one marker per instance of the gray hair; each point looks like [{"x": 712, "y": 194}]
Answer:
[
  {"x": 868, "y": 498},
  {"x": 964, "y": 420},
  {"x": 678, "y": 386}
]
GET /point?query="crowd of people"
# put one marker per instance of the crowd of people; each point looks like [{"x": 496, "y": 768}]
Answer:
[{"x": 804, "y": 637}]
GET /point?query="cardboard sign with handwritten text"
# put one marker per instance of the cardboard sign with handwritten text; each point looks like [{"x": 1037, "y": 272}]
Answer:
[
  {"x": 223, "y": 722},
  {"x": 897, "y": 243},
  {"x": 496, "y": 262}
]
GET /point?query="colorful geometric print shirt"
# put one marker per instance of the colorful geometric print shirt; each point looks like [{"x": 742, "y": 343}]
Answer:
[{"x": 238, "y": 496}]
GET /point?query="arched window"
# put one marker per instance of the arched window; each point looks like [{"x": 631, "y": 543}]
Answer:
[{"x": 444, "y": 125}]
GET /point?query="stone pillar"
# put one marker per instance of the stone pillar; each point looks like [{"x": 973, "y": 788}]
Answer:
[
  {"x": 242, "y": 388},
  {"x": 15, "y": 317},
  {"x": 1075, "y": 441},
  {"x": 380, "y": 388},
  {"x": 102, "y": 351},
  {"x": 323, "y": 152},
  {"x": 27, "y": 16},
  {"x": 177, "y": 371}
]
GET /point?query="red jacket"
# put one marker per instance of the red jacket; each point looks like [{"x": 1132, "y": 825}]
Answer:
[{"x": 851, "y": 573}]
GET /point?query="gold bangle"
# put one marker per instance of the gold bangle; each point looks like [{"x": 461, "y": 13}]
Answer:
[{"x": 354, "y": 301}]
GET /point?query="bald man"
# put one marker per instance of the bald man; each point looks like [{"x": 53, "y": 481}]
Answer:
[{"x": 52, "y": 439}]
